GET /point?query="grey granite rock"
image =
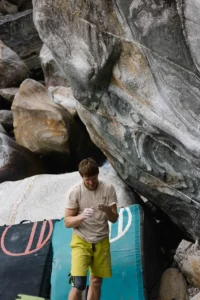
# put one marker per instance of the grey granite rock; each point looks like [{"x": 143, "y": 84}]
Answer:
[
  {"x": 134, "y": 68},
  {"x": 12, "y": 69},
  {"x": 18, "y": 32}
]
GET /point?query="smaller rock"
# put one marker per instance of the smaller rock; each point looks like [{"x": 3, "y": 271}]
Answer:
[
  {"x": 6, "y": 119},
  {"x": 8, "y": 94},
  {"x": 2, "y": 130},
  {"x": 173, "y": 286},
  {"x": 12, "y": 69},
  {"x": 188, "y": 258},
  {"x": 52, "y": 74},
  {"x": 7, "y": 8},
  {"x": 196, "y": 297}
]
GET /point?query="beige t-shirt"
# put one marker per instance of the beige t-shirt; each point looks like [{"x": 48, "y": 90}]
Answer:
[{"x": 94, "y": 229}]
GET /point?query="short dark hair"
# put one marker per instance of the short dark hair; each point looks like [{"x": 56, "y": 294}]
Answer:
[{"x": 88, "y": 167}]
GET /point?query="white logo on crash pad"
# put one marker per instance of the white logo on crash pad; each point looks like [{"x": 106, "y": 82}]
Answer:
[{"x": 121, "y": 224}]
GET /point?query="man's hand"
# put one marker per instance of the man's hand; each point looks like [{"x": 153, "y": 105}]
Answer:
[
  {"x": 72, "y": 220},
  {"x": 88, "y": 213},
  {"x": 110, "y": 211},
  {"x": 105, "y": 208}
]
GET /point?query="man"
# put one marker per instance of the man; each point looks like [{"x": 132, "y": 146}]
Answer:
[{"x": 90, "y": 205}]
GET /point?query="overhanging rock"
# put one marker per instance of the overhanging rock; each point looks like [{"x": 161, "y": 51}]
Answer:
[{"x": 134, "y": 68}]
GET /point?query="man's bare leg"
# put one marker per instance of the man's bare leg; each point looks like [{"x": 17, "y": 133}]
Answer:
[
  {"x": 75, "y": 294},
  {"x": 94, "y": 292}
]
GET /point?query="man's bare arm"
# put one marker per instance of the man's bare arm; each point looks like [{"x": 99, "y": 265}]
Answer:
[
  {"x": 113, "y": 215},
  {"x": 71, "y": 219}
]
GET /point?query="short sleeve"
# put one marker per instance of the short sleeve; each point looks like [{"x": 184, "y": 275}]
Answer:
[
  {"x": 112, "y": 195},
  {"x": 72, "y": 198}
]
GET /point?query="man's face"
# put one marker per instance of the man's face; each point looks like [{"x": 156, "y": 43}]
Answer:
[{"x": 91, "y": 183}]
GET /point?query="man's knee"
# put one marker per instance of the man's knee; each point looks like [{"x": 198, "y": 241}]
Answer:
[
  {"x": 79, "y": 282},
  {"x": 96, "y": 281}
]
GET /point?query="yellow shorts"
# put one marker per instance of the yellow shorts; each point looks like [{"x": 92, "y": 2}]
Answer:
[{"x": 86, "y": 256}]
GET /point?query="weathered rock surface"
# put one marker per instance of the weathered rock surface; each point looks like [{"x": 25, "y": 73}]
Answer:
[
  {"x": 188, "y": 258},
  {"x": 6, "y": 119},
  {"x": 12, "y": 69},
  {"x": 173, "y": 286},
  {"x": 18, "y": 32},
  {"x": 44, "y": 196},
  {"x": 134, "y": 68},
  {"x": 39, "y": 124},
  {"x": 16, "y": 162},
  {"x": 52, "y": 74}
]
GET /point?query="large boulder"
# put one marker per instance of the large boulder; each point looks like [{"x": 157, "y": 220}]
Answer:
[
  {"x": 39, "y": 124},
  {"x": 12, "y": 69},
  {"x": 134, "y": 68},
  {"x": 52, "y": 74},
  {"x": 46, "y": 128},
  {"x": 18, "y": 32},
  {"x": 188, "y": 258},
  {"x": 16, "y": 162},
  {"x": 44, "y": 196}
]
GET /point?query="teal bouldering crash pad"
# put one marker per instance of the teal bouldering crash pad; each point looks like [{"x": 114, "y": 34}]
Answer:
[{"x": 125, "y": 238}]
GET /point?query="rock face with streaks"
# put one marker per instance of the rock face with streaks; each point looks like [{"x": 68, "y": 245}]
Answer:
[
  {"x": 134, "y": 68},
  {"x": 52, "y": 74}
]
